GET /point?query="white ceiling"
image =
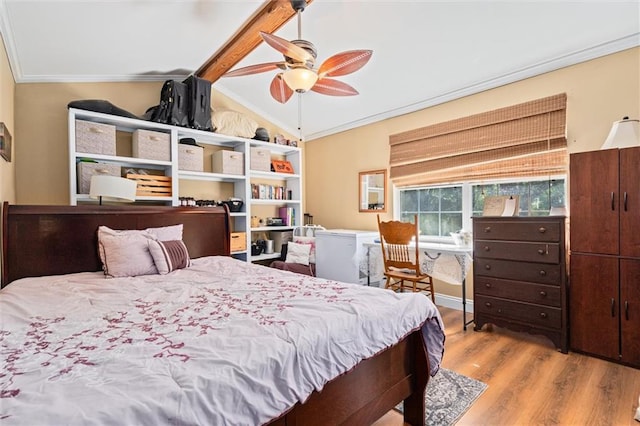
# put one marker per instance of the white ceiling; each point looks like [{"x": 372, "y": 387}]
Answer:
[{"x": 424, "y": 52}]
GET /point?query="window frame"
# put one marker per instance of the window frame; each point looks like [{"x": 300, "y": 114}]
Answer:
[{"x": 467, "y": 199}]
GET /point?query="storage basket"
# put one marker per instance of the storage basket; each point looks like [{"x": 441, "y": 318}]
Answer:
[
  {"x": 151, "y": 145},
  {"x": 190, "y": 157},
  {"x": 151, "y": 185},
  {"x": 260, "y": 159},
  {"x": 95, "y": 138},
  {"x": 227, "y": 162},
  {"x": 87, "y": 169},
  {"x": 238, "y": 241}
]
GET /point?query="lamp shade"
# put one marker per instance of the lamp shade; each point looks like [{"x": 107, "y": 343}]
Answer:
[
  {"x": 624, "y": 133},
  {"x": 112, "y": 188},
  {"x": 300, "y": 79}
]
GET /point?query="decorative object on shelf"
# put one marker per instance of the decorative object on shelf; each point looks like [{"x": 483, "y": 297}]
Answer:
[
  {"x": 234, "y": 204},
  {"x": 280, "y": 139},
  {"x": 624, "y": 133},
  {"x": 297, "y": 70},
  {"x": 5, "y": 142},
  {"x": 292, "y": 142},
  {"x": 112, "y": 188},
  {"x": 255, "y": 221},
  {"x": 261, "y": 134},
  {"x": 281, "y": 166}
]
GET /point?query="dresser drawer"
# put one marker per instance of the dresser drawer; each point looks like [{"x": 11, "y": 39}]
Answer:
[
  {"x": 521, "y": 271},
  {"x": 536, "y": 315},
  {"x": 541, "y": 294},
  {"x": 514, "y": 250},
  {"x": 524, "y": 230}
]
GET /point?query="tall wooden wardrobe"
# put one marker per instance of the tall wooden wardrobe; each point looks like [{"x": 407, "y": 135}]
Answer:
[{"x": 604, "y": 282}]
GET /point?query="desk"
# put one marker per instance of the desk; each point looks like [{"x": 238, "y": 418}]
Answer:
[{"x": 445, "y": 262}]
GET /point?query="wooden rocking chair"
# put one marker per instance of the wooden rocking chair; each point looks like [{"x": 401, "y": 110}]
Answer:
[{"x": 402, "y": 258}]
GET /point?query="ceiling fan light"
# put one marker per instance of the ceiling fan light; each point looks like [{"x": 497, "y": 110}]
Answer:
[{"x": 300, "y": 79}]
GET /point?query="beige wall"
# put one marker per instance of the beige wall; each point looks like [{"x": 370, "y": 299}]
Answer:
[
  {"x": 7, "y": 96},
  {"x": 42, "y": 170},
  {"x": 599, "y": 92}
]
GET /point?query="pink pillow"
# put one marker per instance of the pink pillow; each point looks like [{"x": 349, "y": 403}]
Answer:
[
  {"x": 125, "y": 253},
  {"x": 310, "y": 241}
]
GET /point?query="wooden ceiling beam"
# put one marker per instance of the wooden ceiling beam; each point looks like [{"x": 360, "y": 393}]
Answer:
[{"x": 268, "y": 18}]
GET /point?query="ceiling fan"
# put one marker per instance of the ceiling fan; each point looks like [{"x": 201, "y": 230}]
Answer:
[{"x": 297, "y": 69}]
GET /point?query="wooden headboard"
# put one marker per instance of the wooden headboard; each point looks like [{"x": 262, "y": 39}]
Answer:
[{"x": 54, "y": 240}]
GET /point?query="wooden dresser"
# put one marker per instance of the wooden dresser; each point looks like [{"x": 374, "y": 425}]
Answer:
[{"x": 520, "y": 275}]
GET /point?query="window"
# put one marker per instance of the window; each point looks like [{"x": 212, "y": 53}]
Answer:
[{"x": 448, "y": 208}]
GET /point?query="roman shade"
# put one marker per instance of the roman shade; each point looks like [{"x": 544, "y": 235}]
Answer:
[{"x": 527, "y": 139}]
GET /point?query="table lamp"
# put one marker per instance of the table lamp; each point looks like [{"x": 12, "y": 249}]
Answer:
[{"x": 112, "y": 188}]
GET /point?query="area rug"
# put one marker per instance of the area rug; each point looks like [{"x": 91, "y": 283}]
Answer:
[{"x": 449, "y": 395}]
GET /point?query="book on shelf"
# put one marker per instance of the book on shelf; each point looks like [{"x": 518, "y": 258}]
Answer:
[{"x": 288, "y": 216}]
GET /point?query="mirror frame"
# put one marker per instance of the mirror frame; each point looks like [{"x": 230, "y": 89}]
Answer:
[{"x": 362, "y": 201}]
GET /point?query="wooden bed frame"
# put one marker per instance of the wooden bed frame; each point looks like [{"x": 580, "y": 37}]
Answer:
[{"x": 53, "y": 240}]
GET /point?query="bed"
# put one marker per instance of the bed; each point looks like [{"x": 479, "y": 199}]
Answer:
[{"x": 221, "y": 341}]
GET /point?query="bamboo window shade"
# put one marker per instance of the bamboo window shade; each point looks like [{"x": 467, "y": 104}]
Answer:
[{"x": 527, "y": 139}]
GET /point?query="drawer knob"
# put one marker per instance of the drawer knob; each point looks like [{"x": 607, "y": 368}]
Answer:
[
  {"x": 487, "y": 304},
  {"x": 487, "y": 229},
  {"x": 542, "y": 229},
  {"x": 543, "y": 314},
  {"x": 543, "y": 273},
  {"x": 543, "y": 293},
  {"x": 487, "y": 267},
  {"x": 486, "y": 248},
  {"x": 487, "y": 285},
  {"x": 540, "y": 251}
]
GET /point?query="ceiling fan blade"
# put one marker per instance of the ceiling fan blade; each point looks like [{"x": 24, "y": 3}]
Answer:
[
  {"x": 345, "y": 63},
  {"x": 287, "y": 48},
  {"x": 255, "y": 69},
  {"x": 329, "y": 86},
  {"x": 279, "y": 89}
]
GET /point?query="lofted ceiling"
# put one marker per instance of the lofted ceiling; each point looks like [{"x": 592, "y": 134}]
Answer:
[{"x": 424, "y": 52}]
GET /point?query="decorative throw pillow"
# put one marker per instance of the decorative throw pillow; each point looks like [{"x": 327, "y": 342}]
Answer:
[
  {"x": 298, "y": 253},
  {"x": 169, "y": 255},
  {"x": 311, "y": 241},
  {"x": 125, "y": 253}
]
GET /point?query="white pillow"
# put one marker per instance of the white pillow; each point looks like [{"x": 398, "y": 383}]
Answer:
[
  {"x": 169, "y": 255},
  {"x": 311, "y": 241},
  {"x": 298, "y": 253},
  {"x": 166, "y": 233},
  {"x": 125, "y": 253}
]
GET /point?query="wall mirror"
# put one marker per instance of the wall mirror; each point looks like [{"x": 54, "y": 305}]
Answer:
[{"x": 373, "y": 191}]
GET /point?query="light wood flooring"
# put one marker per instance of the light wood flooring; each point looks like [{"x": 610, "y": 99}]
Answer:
[{"x": 530, "y": 383}]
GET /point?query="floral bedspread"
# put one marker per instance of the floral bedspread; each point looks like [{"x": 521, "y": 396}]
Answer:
[{"x": 222, "y": 342}]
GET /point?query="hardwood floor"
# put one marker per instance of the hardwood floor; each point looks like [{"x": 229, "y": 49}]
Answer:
[{"x": 530, "y": 383}]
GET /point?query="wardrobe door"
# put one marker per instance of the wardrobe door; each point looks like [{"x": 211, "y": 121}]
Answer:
[
  {"x": 630, "y": 311},
  {"x": 594, "y": 312},
  {"x": 594, "y": 202},
  {"x": 630, "y": 202}
]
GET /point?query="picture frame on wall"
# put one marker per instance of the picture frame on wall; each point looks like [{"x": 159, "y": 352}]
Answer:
[{"x": 5, "y": 142}]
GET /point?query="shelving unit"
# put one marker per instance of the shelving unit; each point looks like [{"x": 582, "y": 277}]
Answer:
[{"x": 237, "y": 185}]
